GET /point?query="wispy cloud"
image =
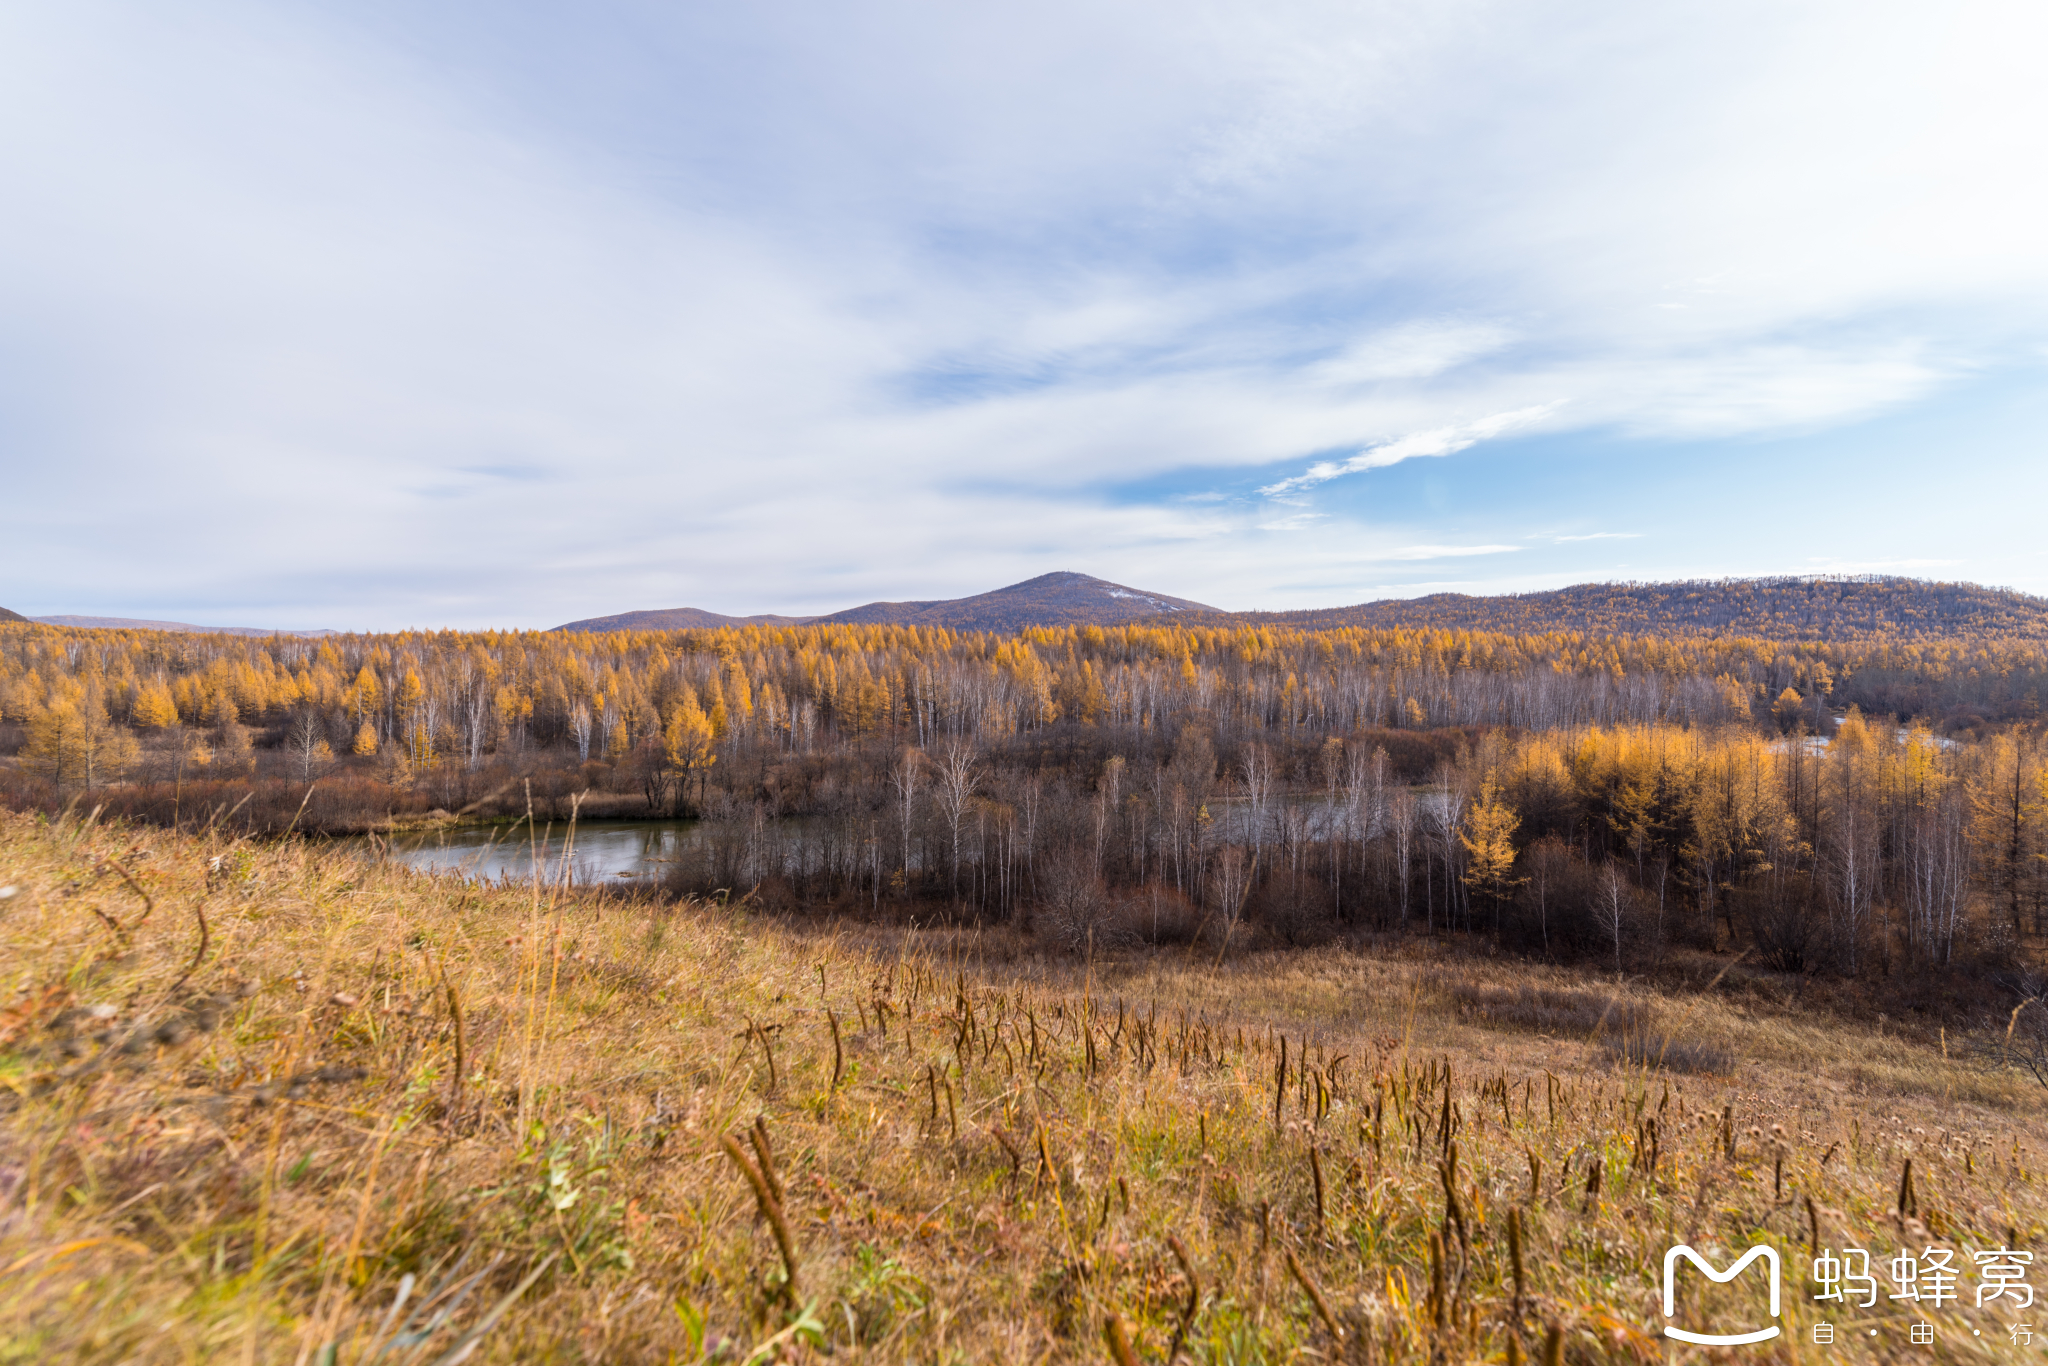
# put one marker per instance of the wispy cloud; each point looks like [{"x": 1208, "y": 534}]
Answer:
[
  {"x": 1300, "y": 521},
  {"x": 1414, "y": 350},
  {"x": 1437, "y": 441},
  {"x": 1442, "y": 552},
  {"x": 1602, "y": 536}
]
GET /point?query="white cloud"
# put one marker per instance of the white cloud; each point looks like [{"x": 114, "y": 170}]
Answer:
[
  {"x": 1602, "y": 536},
  {"x": 1439, "y": 441},
  {"x": 1417, "y": 350},
  {"x": 1444, "y": 552},
  {"x": 1300, "y": 521},
  {"x": 288, "y": 284}
]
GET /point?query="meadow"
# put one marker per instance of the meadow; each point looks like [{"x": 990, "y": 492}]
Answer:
[{"x": 268, "y": 1102}]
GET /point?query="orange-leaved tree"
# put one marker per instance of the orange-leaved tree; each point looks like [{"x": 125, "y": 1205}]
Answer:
[
  {"x": 686, "y": 743},
  {"x": 1488, "y": 838},
  {"x": 154, "y": 706},
  {"x": 76, "y": 744}
]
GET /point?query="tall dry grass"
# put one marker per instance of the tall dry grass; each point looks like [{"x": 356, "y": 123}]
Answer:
[{"x": 272, "y": 1104}]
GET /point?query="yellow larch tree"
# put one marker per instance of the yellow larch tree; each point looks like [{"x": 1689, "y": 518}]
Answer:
[
  {"x": 1488, "y": 838},
  {"x": 155, "y": 707},
  {"x": 687, "y": 742}
]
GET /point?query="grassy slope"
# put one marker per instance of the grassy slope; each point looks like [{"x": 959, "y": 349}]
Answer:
[{"x": 214, "y": 1180}]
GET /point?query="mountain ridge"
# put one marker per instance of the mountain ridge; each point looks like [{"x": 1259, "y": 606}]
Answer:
[
  {"x": 1787, "y": 608},
  {"x": 1062, "y": 598},
  {"x": 1784, "y": 607},
  {"x": 676, "y": 619}
]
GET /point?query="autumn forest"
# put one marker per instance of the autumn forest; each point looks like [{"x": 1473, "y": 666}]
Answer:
[{"x": 1853, "y": 809}]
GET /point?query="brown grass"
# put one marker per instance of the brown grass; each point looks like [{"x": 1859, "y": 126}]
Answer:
[
  {"x": 1549, "y": 1010},
  {"x": 1671, "y": 1053},
  {"x": 692, "y": 1134}
]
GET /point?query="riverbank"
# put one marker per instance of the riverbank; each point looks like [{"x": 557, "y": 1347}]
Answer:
[{"x": 342, "y": 802}]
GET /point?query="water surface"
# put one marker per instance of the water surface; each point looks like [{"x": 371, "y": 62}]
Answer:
[{"x": 603, "y": 851}]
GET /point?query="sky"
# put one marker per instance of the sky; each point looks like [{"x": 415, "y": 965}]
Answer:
[{"x": 381, "y": 315}]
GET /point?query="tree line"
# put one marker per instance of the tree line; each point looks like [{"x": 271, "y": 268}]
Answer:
[
  {"x": 437, "y": 698},
  {"x": 1848, "y": 807},
  {"x": 1883, "y": 849}
]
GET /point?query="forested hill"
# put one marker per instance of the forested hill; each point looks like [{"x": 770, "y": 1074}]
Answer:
[
  {"x": 1060, "y": 599},
  {"x": 6, "y": 615},
  {"x": 675, "y": 619},
  {"x": 1787, "y": 609}
]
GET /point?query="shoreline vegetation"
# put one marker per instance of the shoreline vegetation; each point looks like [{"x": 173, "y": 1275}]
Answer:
[
  {"x": 265, "y": 1101},
  {"x": 1871, "y": 812}
]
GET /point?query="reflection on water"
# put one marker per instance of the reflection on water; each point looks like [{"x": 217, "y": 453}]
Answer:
[
  {"x": 607, "y": 851},
  {"x": 744, "y": 852}
]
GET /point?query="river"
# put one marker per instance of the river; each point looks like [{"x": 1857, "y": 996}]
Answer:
[{"x": 603, "y": 851}]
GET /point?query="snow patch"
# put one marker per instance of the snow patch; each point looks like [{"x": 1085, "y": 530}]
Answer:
[{"x": 1141, "y": 597}]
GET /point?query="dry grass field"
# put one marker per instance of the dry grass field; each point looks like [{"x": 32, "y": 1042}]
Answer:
[{"x": 261, "y": 1103}]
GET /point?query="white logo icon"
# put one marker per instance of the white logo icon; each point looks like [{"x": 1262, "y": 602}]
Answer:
[{"x": 1770, "y": 1258}]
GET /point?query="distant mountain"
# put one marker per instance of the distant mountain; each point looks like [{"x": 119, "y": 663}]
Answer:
[
  {"x": 675, "y": 619},
  {"x": 1819, "y": 608},
  {"x": 1833, "y": 608},
  {"x": 132, "y": 624},
  {"x": 1062, "y": 599}
]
